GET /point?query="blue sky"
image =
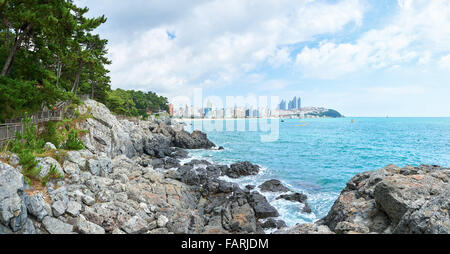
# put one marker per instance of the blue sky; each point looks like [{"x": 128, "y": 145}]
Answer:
[{"x": 361, "y": 57}]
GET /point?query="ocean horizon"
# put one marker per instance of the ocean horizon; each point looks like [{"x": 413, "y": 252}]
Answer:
[{"x": 318, "y": 157}]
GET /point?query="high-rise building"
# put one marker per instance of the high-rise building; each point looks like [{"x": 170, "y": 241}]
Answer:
[
  {"x": 282, "y": 105},
  {"x": 299, "y": 103}
]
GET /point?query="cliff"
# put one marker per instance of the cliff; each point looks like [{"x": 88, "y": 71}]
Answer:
[
  {"x": 136, "y": 178},
  {"x": 409, "y": 200}
]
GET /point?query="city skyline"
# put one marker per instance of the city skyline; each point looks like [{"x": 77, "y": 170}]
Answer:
[{"x": 361, "y": 57}]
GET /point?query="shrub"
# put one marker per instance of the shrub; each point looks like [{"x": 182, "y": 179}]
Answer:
[{"x": 73, "y": 142}]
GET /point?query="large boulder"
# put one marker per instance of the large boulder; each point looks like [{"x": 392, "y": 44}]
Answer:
[
  {"x": 240, "y": 169},
  {"x": 13, "y": 211},
  {"x": 261, "y": 206},
  {"x": 196, "y": 140},
  {"x": 45, "y": 165},
  {"x": 273, "y": 186},
  {"x": 393, "y": 200}
]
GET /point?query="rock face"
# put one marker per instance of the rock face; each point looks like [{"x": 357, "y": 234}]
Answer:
[
  {"x": 13, "y": 211},
  {"x": 240, "y": 169},
  {"x": 130, "y": 179},
  {"x": 273, "y": 186},
  {"x": 409, "y": 200}
]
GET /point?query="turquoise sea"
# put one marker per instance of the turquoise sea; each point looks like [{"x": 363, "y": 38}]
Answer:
[{"x": 318, "y": 156}]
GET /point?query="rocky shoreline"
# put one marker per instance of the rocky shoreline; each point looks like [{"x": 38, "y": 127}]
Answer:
[{"x": 131, "y": 179}]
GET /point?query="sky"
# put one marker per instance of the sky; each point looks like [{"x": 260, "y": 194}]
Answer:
[{"x": 360, "y": 57}]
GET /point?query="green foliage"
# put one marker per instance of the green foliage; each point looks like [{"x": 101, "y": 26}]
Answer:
[
  {"x": 73, "y": 142},
  {"x": 48, "y": 53},
  {"x": 52, "y": 174},
  {"x": 135, "y": 103},
  {"x": 24, "y": 145}
]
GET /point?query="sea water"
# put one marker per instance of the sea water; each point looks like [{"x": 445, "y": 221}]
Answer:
[{"x": 318, "y": 156}]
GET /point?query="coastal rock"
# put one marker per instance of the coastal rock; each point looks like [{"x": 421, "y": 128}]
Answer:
[
  {"x": 55, "y": 226},
  {"x": 296, "y": 197},
  {"x": 37, "y": 206},
  {"x": 196, "y": 140},
  {"x": 84, "y": 226},
  {"x": 302, "y": 229},
  {"x": 46, "y": 163},
  {"x": 261, "y": 206},
  {"x": 100, "y": 167},
  {"x": 273, "y": 223},
  {"x": 13, "y": 211},
  {"x": 393, "y": 200},
  {"x": 240, "y": 169},
  {"x": 273, "y": 186}
]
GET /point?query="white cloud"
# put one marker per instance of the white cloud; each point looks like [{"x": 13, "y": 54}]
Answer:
[
  {"x": 420, "y": 30},
  {"x": 444, "y": 62},
  {"x": 219, "y": 41}
]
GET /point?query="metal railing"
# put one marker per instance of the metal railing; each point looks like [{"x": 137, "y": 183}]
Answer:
[{"x": 10, "y": 127}]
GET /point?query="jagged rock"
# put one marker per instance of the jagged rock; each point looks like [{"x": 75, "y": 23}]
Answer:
[
  {"x": 88, "y": 200},
  {"x": 162, "y": 221},
  {"x": 272, "y": 223},
  {"x": 305, "y": 229},
  {"x": 55, "y": 226},
  {"x": 196, "y": 140},
  {"x": 100, "y": 167},
  {"x": 13, "y": 211},
  {"x": 393, "y": 200},
  {"x": 240, "y": 169},
  {"x": 84, "y": 226},
  {"x": 76, "y": 157},
  {"x": 37, "y": 206},
  {"x": 297, "y": 197},
  {"x": 273, "y": 186},
  {"x": 261, "y": 206},
  {"x": 135, "y": 225},
  {"x": 46, "y": 163},
  {"x": 71, "y": 168},
  {"x": 73, "y": 208},
  {"x": 157, "y": 146},
  {"x": 59, "y": 208}
]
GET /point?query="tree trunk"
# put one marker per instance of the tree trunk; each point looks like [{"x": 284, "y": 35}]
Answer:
[
  {"x": 58, "y": 73},
  {"x": 10, "y": 59},
  {"x": 77, "y": 78},
  {"x": 92, "y": 90}
]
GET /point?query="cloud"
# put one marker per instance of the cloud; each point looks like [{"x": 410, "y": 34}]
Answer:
[
  {"x": 418, "y": 32},
  {"x": 212, "y": 43}
]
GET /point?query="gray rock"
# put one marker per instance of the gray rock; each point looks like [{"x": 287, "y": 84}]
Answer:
[
  {"x": 73, "y": 208},
  {"x": 45, "y": 165},
  {"x": 162, "y": 221},
  {"x": 14, "y": 159},
  {"x": 88, "y": 200},
  {"x": 37, "y": 206},
  {"x": 273, "y": 186},
  {"x": 100, "y": 167},
  {"x": 263, "y": 209},
  {"x": 298, "y": 197},
  {"x": 59, "y": 208},
  {"x": 49, "y": 146},
  {"x": 83, "y": 226},
  {"x": 13, "y": 211},
  {"x": 55, "y": 226},
  {"x": 240, "y": 169},
  {"x": 76, "y": 157},
  {"x": 71, "y": 168},
  {"x": 135, "y": 225}
]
